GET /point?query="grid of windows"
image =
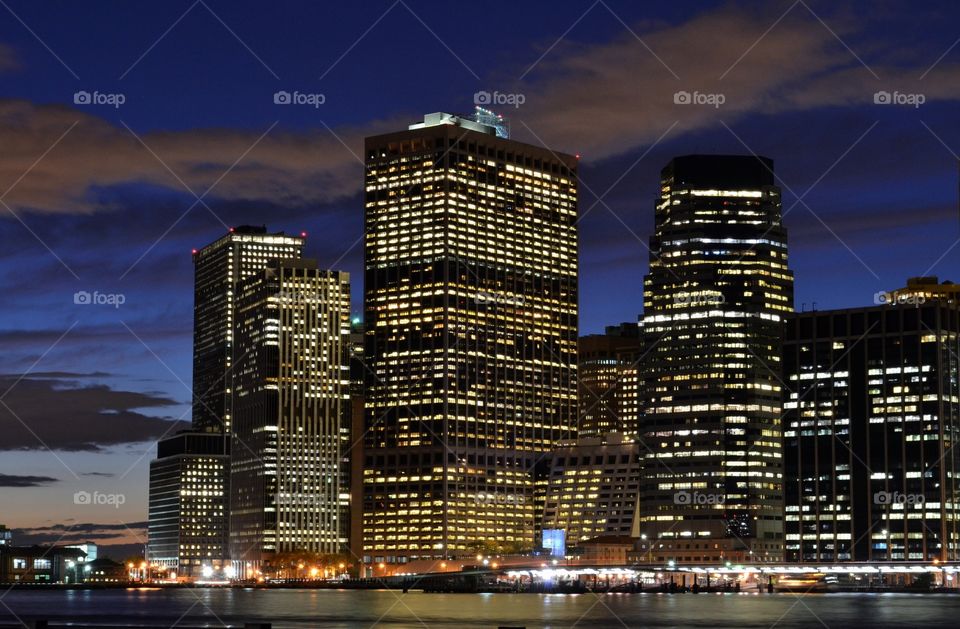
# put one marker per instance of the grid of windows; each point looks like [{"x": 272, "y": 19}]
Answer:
[
  {"x": 871, "y": 416},
  {"x": 592, "y": 488},
  {"x": 471, "y": 333},
  {"x": 714, "y": 302},
  {"x": 187, "y": 503},
  {"x": 218, "y": 269},
  {"x": 291, "y": 431}
]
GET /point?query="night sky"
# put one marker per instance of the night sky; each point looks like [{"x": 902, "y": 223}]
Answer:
[{"x": 112, "y": 197}]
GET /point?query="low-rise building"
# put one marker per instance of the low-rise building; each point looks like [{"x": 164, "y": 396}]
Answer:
[
  {"x": 591, "y": 488},
  {"x": 39, "y": 564},
  {"x": 604, "y": 550},
  {"x": 105, "y": 570}
]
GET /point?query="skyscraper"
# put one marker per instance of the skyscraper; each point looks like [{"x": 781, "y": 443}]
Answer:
[
  {"x": 471, "y": 335},
  {"x": 292, "y": 415},
  {"x": 189, "y": 480},
  {"x": 218, "y": 269},
  {"x": 608, "y": 381},
  {"x": 715, "y": 299},
  {"x": 871, "y": 422}
]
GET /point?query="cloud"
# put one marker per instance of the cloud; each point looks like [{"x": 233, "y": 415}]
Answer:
[
  {"x": 57, "y": 375},
  {"x": 8, "y": 59},
  {"x": 78, "y": 532},
  {"x": 601, "y": 100},
  {"x": 62, "y": 415},
  {"x": 13, "y": 480},
  {"x": 284, "y": 167},
  {"x": 607, "y": 99}
]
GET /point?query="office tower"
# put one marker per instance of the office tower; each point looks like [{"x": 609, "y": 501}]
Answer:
[
  {"x": 592, "y": 487},
  {"x": 471, "y": 335},
  {"x": 608, "y": 374},
  {"x": 715, "y": 299},
  {"x": 218, "y": 269},
  {"x": 187, "y": 528},
  {"x": 291, "y": 414},
  {"x": 872, "y": 415}
]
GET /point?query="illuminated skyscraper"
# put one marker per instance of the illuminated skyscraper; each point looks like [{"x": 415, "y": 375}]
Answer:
[
  {"x": 608, "y": 381},
  {"x": 871, "y": 423},
  {"x": 714, "y": 304},
  {"x": 218, "y": 269},
  {"x": 471, "y": 335},
  {"x": 292, "y": 421},
  {"x": 189, "y": 480}
]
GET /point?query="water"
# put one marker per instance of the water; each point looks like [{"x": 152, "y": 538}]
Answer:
[{"x": 394, "y": 610}]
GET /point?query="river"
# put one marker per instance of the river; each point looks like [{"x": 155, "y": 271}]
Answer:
[{"x": 395, "y": 610}]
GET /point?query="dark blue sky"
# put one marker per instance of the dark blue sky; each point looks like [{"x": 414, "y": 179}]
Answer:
[{"x": 98, "y": 195}]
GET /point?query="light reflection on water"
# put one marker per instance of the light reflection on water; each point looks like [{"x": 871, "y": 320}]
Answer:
[{"x": 394, "y": 610}]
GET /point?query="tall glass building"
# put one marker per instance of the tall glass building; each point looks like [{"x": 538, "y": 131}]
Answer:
[
  {"x": 871, "y": 423},
  {"x": 715, "y": 299},
  {"x": 180, "y": 539},
  {"x": 218, "y": 269},
  {"x": 471, "y": 335},
  {"x": 292, "y": 414}
]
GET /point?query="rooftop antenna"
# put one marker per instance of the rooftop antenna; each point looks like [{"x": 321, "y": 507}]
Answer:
[{"x": 497, "y": 121}]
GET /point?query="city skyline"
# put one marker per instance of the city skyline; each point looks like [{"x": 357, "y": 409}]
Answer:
[{"x": 137, "y": 355}]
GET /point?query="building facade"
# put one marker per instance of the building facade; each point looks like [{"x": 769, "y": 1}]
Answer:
[
  {"x": 218, "y": 270},
  {"x": 872, "y": 414},
  {"x": 187, "y": 505},
  {"x": 471, "y": 335},
  {"x": 608, "y": 381},
  {"x": 40, "y": 564},
  {"x": 292, "y": 416},
  {"x": 715, "y": 299},
  {"x": 921, "y": 290},
  {"x": 592, "y": 488}
]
